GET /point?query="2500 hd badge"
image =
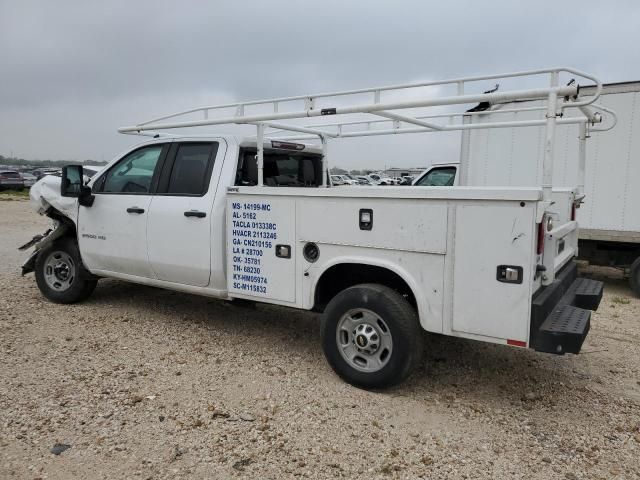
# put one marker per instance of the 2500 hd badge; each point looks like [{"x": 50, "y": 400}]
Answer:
[{"x": 95, "y": 237}]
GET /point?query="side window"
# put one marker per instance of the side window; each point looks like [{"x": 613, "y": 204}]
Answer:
[
  {"x": 438, "y": 177},
  {"x": 191, "y": 170},
  {"x": 134, "y": 172}
]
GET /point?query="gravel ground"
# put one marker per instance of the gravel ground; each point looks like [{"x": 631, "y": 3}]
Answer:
[{"x": 145, "y": 383}]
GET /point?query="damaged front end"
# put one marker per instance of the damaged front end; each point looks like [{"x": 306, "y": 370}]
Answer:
[
  {"x": 47, "y": 200},
  {"x": 40, "y": 241}
]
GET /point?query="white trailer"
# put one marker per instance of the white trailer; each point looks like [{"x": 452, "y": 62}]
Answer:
[
  {"x": 609, "y": 216},
  {"x": 253, "y": 219}
]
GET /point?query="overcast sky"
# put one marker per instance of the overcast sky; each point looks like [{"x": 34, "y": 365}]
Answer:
[{"x": 72, "y": 72}]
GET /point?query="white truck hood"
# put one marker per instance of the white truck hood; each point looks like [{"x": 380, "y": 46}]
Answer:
[{"x": 45, "y": 193}]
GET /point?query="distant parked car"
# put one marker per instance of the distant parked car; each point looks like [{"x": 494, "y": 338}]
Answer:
[
  {"x": 29, "y": 179},
  {"x": 42, "y": 172},
  {"x": 406, "y": 180},
  {"x": 349, "y": 180},
  {"x": 355, "y": 180},
  {"x": 377, "y": 179},
  {"x": 363, "y": 180},
  {"x": 337, "y": 180},
  {"x": 11, "y": 180}
]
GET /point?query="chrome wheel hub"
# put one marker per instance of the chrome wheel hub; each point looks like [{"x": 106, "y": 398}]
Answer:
[
  {"x": 59, "y": 271},
  {"x": 364, "y": 340}
]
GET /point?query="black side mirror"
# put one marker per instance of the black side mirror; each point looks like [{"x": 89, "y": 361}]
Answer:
[{"x": 72, "y": 185}]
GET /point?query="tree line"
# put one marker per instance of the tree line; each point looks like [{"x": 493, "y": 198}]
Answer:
[{"x": 44, "y": 163}]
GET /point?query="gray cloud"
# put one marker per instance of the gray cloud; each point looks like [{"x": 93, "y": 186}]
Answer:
[{"x": 73, "y": 71}]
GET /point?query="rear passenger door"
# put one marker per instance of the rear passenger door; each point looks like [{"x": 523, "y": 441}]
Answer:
[{"x": 179, "y": 226}]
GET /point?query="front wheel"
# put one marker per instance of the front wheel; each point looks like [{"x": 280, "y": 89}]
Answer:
[
  {"x": 371, "y": 336},
  {"x": 60, "y": 275}
]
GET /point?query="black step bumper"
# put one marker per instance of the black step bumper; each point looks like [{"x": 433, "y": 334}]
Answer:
[{"x": 561, "y": 312}]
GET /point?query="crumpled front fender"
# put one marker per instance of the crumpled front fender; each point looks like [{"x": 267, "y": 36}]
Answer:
[
  {"x": 45, "y": 194},
  {"x": 41, "y": 241}
]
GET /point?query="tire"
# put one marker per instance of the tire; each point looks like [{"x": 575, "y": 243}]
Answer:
[
  {"x": 634, "y": 279},
  {"x": 378, "y": 314},
  {"x": 60, "y": 274}
]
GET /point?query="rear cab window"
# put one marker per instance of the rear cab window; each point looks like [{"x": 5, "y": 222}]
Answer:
[{"x": 281, "y": 168}]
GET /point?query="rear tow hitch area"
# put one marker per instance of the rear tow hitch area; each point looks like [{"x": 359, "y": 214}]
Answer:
[{"x": 561, "y": 313}]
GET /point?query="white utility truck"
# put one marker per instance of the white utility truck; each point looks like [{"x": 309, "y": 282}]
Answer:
[
  {"x": 253, "y": 219},
  {"x": 610, "y": 218}
]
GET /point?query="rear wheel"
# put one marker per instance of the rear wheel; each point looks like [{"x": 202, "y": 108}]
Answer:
[
  {"x": 60, "y": 275},
  {"x": 634, "y": 279},
  {"x": 371, "y": 336}
]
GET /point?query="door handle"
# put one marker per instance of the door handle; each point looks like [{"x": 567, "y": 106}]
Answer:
[
  {"x": 135, "y": 210},
  {"x": 194, "y": 213}
]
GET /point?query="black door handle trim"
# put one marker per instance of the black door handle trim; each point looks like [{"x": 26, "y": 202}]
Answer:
[
  {"x": 135, "y": 210},
  {"x": 194, "y": 213}
]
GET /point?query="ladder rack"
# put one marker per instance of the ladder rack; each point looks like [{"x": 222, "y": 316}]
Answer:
[{"x": 268, "y": 115}]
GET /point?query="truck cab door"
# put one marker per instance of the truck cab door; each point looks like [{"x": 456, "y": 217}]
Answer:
[
  {"x": 112, "y": 232},
  {"x": 180, "y": 226}
]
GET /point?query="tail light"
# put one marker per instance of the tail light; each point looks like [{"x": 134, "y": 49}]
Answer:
[
  {"x": 541, "y": 228},
  {"x": 573, "y": 212}
]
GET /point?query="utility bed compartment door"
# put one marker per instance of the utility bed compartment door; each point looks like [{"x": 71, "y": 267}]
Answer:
[
  {"x": 486, "y": 237},
  {"x": 258, "y": 228}
]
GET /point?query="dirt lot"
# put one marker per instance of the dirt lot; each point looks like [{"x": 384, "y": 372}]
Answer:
[{"x": 146, "y": 383}]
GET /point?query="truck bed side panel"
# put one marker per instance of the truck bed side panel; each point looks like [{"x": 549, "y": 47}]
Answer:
[
  {"x": 399, "y": 224},
  {"x": 256, "y": 225},
  {"x": 487, "y": 236}
]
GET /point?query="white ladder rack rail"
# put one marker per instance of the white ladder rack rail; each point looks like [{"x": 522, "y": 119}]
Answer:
[{"x": 557, "y": 99}]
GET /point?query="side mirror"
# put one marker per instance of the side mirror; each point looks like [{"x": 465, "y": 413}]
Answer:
[
  {"x": 72, "y": 185},
  {"x": 72, "y": 180}
]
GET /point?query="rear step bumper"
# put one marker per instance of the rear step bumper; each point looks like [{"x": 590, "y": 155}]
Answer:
[{"x": 561, "y": 312}]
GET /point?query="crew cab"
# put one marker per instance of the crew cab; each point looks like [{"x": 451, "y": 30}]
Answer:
[{"x": 253, "y": 219}]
